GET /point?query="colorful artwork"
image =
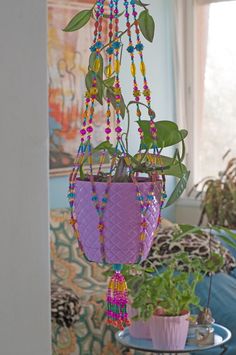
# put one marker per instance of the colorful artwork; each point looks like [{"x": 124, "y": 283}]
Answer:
[{"x": 68, "y": 56}]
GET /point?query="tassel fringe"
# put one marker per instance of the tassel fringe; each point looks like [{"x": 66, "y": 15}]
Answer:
[{"x": 117, "y": 299}]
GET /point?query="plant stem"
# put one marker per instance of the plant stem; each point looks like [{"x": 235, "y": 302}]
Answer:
[
  {"x": 211, "y": 276},
  {"x": 128, "y": 128},
  {"x": 122, "y": 33},
  {"x": 209, "y": 291}
]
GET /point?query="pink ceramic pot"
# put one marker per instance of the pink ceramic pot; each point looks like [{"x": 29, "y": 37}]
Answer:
[
  {"x": 122, "y": 221},
  {"x": 138, "y": 329},
  {"x": 169, "y": 333}
]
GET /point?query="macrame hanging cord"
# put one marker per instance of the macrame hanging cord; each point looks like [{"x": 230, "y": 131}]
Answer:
[{"x": 145, "y": 199}]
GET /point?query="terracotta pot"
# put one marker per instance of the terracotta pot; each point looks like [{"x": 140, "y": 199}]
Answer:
[
  {"x": 122, "y": 220},
  {"x": 138, "y": 329},
  {"x": 169, "y": 333}
]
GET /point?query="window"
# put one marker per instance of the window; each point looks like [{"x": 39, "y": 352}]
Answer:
[
  {"x": 215, "y": 129},
  {"x": 204, "y": 52}
]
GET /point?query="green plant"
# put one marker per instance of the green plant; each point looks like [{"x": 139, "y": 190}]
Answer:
[
  {"x": 168, "y": 133},
  {"x": 219, "y": 197},
  {"x": 170, "y": 291}
]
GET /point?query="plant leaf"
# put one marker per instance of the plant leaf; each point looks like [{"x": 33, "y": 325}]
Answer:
[
  {"x": 147, "y": 25},
  {"x": 140, "y": 3},
  {"x": 111, "y": 96},
  {"x": 179, "y": 188},
  {"x": 92, "y": 58},
  {"x": 78, "y": 21},
  {"x": 109, "y": 82},
  {"x": 108, "y": 147},
  {"x": 173, "y": 166},
  {"x": 89, "y": 79},
  {"x": 100, "y": 86},
  {"x": 168, "y": 133}
]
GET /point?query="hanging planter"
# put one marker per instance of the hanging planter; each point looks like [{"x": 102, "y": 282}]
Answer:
[
  {"x": 122, "y": 235},
  {"x": 115, "y": 211}
]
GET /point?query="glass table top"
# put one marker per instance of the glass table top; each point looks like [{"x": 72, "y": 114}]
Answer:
[{"x": 221, "y": 336}]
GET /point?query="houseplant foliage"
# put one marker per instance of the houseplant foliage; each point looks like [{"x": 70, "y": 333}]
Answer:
[
  {"x": 219, "y": 197},
  {"x": 165, "y": 296},
  {"x": 115, "y": 211}
]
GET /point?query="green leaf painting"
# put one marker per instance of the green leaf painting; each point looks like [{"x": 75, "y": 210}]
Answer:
[{"x": 78, "y": 21}]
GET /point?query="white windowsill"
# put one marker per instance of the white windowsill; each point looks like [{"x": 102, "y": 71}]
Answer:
[{"x": 188, "y": 202}]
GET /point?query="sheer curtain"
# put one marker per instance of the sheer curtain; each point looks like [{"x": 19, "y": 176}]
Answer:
[{"x": 190, "y": 35}]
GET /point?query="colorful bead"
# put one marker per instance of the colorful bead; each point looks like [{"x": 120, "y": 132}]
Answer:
[
  {"x": 117, "y": 66},
  {"x": 139, "y": 47},
  {"x": 130, "y": 49},
  {"x": 133, "y": 69},
  {"x": 116, "y": 45},
  {"x": 110, "y": 50},
  {"x": 108, "y": 71}
]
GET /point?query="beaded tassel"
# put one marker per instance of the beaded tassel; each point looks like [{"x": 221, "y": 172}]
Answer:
[{"x": 117, "y": 300}]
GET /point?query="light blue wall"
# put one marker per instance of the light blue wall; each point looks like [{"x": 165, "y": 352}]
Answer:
[{"x": 158, "y": 58}]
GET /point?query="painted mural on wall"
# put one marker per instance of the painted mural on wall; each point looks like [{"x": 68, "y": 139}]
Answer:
[{"x": 68, "y": 55}]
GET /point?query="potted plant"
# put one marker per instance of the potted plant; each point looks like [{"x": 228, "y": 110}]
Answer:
[
  {"x": 115, "y": 211},
  {"x": 107, "y": 204},
  {"x": 163, "y": 299},
  {"x": 219, "y": 197}
]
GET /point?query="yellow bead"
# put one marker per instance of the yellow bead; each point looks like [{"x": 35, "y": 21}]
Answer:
[
  {"x": 76, "y": 234},
  {"x": 93, "y": 91},
  {"x": 81, "y": 160},
  {"x": 108, "y": 71},
  {"x": 90, "y": 160},
  {"x": 142, "y": 236},
  {"x": 113, "y": 160},
  {"x": 133, "y": 69},
  {"x": 117, "y": 91},
  {"x": 117, "y": 66},
  {"x": 102, "y": 159},
  {"x": 128, "y": 161},
  {"x": 143, "y": 68},
  {"x": 96, "y": 65}
]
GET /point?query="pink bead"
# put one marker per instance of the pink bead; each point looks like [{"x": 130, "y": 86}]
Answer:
[
  {"x": 90, "y": 129},
  {"x": 82, "y": 132},
  {"x": 108, "y": 130},
  {"x": 118, "y": 129},
  {"x": 137, "y": 98}
]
